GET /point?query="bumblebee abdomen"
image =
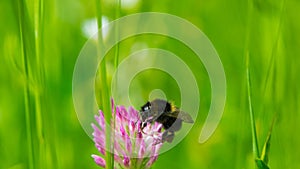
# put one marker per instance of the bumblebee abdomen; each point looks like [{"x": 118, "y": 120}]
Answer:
[{"x": 170, "y": 123}]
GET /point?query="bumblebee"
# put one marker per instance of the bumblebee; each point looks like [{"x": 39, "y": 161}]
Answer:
[{"x": 166, "y": 113}]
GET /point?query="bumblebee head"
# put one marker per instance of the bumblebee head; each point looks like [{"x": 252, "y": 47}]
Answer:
[{"x": 145, "y": 111}]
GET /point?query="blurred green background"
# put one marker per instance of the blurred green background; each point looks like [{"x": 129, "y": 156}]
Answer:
[{"x": 36, "y": 93}]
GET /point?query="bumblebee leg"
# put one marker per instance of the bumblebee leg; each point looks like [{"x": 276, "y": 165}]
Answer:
[
  {"x": 176, "y": 126},
  {"x": 168, "y": 136},
  {"x": 164, "y": 135},
  {"x": 143, "y": 125}
]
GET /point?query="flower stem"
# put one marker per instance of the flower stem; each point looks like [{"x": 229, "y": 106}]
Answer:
[
  {"x": 105, "y": 92},
  {"x": 117, "y": 15}
]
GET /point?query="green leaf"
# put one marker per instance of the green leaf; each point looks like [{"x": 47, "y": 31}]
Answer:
[
  {"x": 266, "y": 148},
  {"x": 261, "y": 164}
]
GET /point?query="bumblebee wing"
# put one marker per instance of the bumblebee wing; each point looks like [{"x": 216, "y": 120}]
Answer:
[
  {"x": 181, "y": 115},
  {"x": 185, "y": 117}
]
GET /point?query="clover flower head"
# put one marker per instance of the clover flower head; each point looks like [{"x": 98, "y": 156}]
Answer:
[{"x": 132, "y": 147}]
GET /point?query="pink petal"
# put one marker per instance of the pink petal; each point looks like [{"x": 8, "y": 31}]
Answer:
[
  {"x": 154, "y": 154},
  {"x": 100, "y": 119},
  {"x": 142, "y": 150},
  {"x": 132, "y": 127},
  {"x": 100, "y": 148},
  {"x": 126, "y": 161},
  {"x": 99, "y": 136},
  {"x": 123, "y": 132},
  {"x": 134, "y": 115},
  {"x": 118, "y": 159},
  {"x": 157, "y": 127},
  {"x": 151, "y": 161},
  {"x": 99, "y": 161},
  {"x": 124, "y": 113},
  {"x": 118, "y": 150},
  {"x": 128, "y": 145},
  {"x": 96, "y": 132}
]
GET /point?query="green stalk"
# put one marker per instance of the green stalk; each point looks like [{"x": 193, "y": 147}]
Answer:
[
  {"x": 271, "y": 71},
  {"x": 22, "y": 31},
  {"x": 275, "y": 55},
  {"x": 38, "y": 70},
  {"x": 252, "y": 119},
  {"x": 38, "y": 15},
  {"x": 117, "y": 15},
  {"x": 255, "y": 148},
  {"x": 117, "y": 34},
  {"x": 105, "y": 92},
  {"x": 30, "y": 31}
]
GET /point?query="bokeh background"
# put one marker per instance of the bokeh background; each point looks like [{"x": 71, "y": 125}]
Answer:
[{"x": 36, "y": 109}]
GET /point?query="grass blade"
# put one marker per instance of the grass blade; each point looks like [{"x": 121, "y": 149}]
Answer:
[
  {"x": 22, "y": 30},
  {"x": 261, "y": 164},
  {"x": 252, "y": 119},
  {"x": 266, "y": 148},
  {"x": 116, "y": 63},
  {"x": 105, "y": 91},
  {"x": 30, "y": 31}
]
